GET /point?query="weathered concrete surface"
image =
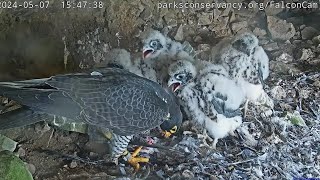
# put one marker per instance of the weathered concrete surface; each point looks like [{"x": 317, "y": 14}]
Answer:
[{"x": 31, "y": 40}]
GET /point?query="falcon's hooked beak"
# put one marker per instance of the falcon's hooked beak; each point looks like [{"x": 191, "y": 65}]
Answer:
[
  {"x": 147, "y": 52},
  {"x": 167, "y": 134},
  {"x": 174, "y": 85}
]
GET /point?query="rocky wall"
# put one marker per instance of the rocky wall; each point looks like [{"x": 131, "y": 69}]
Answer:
[{"x": 38, "y": 42}]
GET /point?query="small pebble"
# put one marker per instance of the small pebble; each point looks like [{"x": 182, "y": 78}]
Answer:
[
  {"x": 187, "y": 174},
  {"x": 93, "y": 154},
  {"x": 73, "y": 164},
  {"x": 31, "y": 168},
  {"x": 21, "y": 152}
]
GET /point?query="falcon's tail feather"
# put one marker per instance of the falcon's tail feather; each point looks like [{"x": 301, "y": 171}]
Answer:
[
  {"x": 41, "y": 98},
  {"x": 26, "y": 83},
  {"x": 20, "y": 117}
]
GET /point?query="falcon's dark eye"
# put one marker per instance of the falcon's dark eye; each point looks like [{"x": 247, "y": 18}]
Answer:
[
  {"x": 180, "y": 76},
  {"x": 153, "y": 44}
]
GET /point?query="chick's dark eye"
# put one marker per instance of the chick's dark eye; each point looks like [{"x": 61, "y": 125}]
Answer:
[
  {"x": 180, "y": 76},
  {"x": 153, "y": 44}
]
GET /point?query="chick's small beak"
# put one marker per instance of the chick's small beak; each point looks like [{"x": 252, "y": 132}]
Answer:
[
  {"x": 174, "y": 85},
  {"x": 147, "y": 52},
  {"x": 166, "y": 134}
]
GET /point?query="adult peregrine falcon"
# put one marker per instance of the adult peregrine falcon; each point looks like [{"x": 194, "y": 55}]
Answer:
[{"x": 114, "y": 100}]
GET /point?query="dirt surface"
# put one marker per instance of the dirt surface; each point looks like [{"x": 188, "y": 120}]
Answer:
[{"x": 38, "y": 43}]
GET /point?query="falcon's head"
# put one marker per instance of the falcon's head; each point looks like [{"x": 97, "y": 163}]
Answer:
[
  {"x": 154, "y": 43},
  {"x": 172, "y": 125},
  {"x": 180, "y": 72}
]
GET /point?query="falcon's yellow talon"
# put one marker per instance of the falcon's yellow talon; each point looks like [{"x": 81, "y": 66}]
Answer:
[
  {"x": 136, "y": 152},
  {"x": 134, "y": 161}
]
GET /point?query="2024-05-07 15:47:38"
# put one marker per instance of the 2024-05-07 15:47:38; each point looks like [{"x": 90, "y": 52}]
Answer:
[{"x": 82, "y": 4}]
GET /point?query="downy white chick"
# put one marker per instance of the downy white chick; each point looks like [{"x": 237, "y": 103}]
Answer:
[
  {"x": 159, "y": 51},
  {"x": 247, "y": 63},
  {"x": 210, "y": 98},
  {"x": 121, "y": 58},
  {"x": 157, "y": 46}
]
